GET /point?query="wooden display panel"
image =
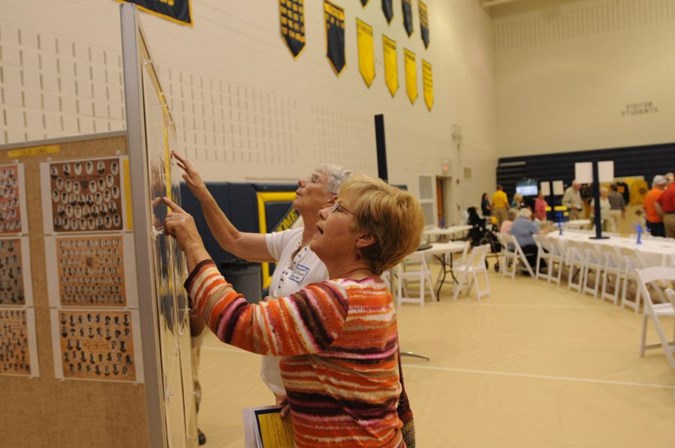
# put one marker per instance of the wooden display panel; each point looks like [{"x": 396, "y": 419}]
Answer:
[{"x": 82, "y": 412}]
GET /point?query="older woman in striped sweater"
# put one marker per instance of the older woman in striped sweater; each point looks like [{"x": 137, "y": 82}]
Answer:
[{"x": 338, "y": 338}]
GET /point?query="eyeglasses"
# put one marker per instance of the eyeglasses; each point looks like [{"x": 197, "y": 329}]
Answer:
[{"x": 339, "y": 208}]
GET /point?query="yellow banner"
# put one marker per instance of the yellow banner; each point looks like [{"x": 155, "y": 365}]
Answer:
[
  {"x": 34, "y": 151},
  {"x": 364, "y": 38},
  {"x": 390, "y": 64},
  {"x": 410, "y": 75},
  {"x": 427, "y": 84}
]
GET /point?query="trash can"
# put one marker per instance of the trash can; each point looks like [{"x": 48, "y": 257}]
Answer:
[{"x": 244, "y": 276}]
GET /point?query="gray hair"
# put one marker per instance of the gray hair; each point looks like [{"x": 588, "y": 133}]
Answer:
[
  {"x": 525, "y": 213},
  {"x": 336, "y": 175},
  {"x": 512, "y": 214}
]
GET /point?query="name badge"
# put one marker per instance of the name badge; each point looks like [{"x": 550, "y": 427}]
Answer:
[{"x": 299, "y": 273}]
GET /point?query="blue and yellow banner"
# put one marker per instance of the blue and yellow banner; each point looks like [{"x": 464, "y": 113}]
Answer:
[
  {"x": 390, "y": 64},
  {"x": 424, "y": 23},
  {"x": 292, "y": 22},
  {"x": 427, "y": 84},
  {"x": 364, "y": 39},
  {"x": 334, "y": 18},
  {"x": 407, "y": 16},
  {"x": 364, "y": 3},
  {"x": 410, "y": 74},
  {"x": 178, "y": 11},
  {"x": 388, "y": 10}
]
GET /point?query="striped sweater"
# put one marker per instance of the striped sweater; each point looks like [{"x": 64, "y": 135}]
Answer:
[{"x": 339, "y": 343}]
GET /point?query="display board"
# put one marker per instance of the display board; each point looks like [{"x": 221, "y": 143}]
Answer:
[
  {"x": 152, "y": 137},
  {"x": 58, "y": 286}
]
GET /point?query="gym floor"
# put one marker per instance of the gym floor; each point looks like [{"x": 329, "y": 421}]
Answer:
[{"x": 533, "y": 365}]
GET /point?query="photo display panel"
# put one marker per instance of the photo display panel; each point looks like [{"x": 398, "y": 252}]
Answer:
[
  {"x": 91, "y": 270},
  {"x": 18, "y": 350},
  {"x": 12, "y": 289},
  {"x": 13, "y": 219},
  {"x": 86, "y": 196},
  {"x": 96, "y": 344}
]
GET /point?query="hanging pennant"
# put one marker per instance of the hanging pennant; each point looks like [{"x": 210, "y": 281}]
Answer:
[
  {"x": 407, "y": 16},
  {"x": 179, "y": 11},
  {"x": 292, "y": 20},
  {"x": 364, "y": 39},
  {"x": 410, "y": 75},
  {"x": 390, "y": 64},
  {"x": 427, "y": 84},
  {"x": 424, "y": 23},
  {"x": 364, "y": 3},
  {"x": 388, "y": 10},
  {"x": 334, "y": 16}
]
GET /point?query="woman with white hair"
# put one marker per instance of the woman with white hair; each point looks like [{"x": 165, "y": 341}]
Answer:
[
  {"x": 523, "y": 230},
  {"x": 296, "y": 264}
]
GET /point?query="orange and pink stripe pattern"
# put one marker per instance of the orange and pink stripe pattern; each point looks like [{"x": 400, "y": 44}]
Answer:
[{"x": 339, "y": 342}]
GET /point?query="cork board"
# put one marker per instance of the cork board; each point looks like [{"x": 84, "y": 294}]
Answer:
[{"x": 47, "y": 410}]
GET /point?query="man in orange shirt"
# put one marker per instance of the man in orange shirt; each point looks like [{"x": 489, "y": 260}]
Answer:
[
  {"x": 653, "y": 211},
  {"x": 667, "y": 203},
  {"x": 500, "y": 205}
]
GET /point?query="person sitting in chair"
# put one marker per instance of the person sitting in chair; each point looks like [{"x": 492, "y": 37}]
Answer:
[{"x": 523, "y": 230}]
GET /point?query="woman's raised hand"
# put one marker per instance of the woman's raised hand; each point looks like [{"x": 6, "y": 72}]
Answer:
[
  {"x": 191, "y": 176},
  {"x": 180, "y": 225}
]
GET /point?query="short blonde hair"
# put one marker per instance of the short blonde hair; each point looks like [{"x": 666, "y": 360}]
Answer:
[{"x": 393, "y": 216}]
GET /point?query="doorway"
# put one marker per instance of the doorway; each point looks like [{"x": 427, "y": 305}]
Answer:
[{"x": 445, "y": 215}]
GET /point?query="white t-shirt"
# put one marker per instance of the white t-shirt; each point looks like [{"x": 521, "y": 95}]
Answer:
[{"x": 290, "y": 275}]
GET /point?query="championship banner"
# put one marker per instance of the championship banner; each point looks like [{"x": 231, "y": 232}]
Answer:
[
  {"x": 407, "y": 16},
  {"x": 410, "y": 75},
  {"x": 334, "y": 16},
  {"x": 364, "y": 39},
  {"x": 424, "y": 23},
  {"x": 178, "y": 11},
  {"x": 388, "y": 10},
  {"x": 390, "y": 64},
  {"x": 292, "y": 20},
  {"x": 427, "y": 84}
]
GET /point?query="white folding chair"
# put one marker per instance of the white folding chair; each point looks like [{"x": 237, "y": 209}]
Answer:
[
  {"x": 614, "y": 268},
  {"x": 545, "y": 252},
  {"x": 592, "y": 266},
  {"x": 559, "y": 250},
  {"x": 576, "y": 259},
  {"x": 656, "y": 312},
  {"x": 467, "y": 273},
  {"x": 414, "y": 269},
  {"x": 513, "y": 257},
  {"x": 631, "y": 264}
]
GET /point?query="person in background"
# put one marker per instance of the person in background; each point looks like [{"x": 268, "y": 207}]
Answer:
[
  {"x": 572, "y": 200},
  {"x": 667, "y": 203},
  {"x": 511, "y": 216},
  {"x": 297, "y": 265},
  {"x": 604, "y": 209},
  {"x": 517, "y": 201},
  {"x": 485, "y": 206},
  {"x": 500, "y": 204},
  {"x": 617, "y": 208},
  {"x": 653, "y": 210},
  {"x": 338, "y": 337},
  {"x": 523, "y": 230},
  {"x": 670, "y": 177},
  {"x": 540, "y": 206}
]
